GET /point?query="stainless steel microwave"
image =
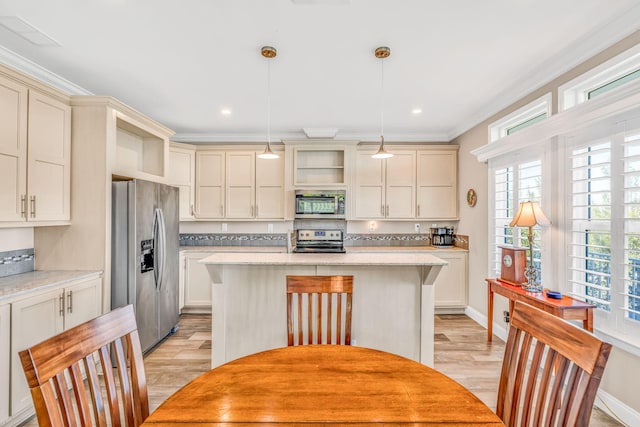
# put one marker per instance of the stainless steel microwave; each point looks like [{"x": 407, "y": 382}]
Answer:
[{"x": 319, "y": 204}]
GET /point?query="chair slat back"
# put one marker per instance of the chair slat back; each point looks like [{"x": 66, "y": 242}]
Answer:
[
  {"x": 322, "y": 290},
  {"x": 71, "y": 375},
  {"x": 551, "y": 371}
]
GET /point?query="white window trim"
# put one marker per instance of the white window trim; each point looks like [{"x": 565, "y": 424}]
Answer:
[
  {"x": 538, "y": 152},
  {"x": 576, "y": 91},
  {"x": 499, "y": 128}
]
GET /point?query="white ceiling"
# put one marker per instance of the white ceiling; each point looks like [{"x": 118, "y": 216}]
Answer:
[{"x": 181, "y": 62}]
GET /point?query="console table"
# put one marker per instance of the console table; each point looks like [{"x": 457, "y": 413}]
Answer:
[{"x": 566, "y": 308}]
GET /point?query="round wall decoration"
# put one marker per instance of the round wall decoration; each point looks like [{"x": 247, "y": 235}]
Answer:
[{"x": 472, "y": 198}]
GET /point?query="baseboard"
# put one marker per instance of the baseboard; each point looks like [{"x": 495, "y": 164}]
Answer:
[
  {"x": 616, "y": 409},
  {"x": 481, "y": 319}
]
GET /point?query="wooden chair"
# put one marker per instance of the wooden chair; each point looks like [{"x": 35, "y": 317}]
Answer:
[
  {"x": 324, "y": 288},
  {"x": 67, "y": 384},
  {"x": 551, "y": 371}
]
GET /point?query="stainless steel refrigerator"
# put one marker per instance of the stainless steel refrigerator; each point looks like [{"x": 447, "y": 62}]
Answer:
[{"x": 144, "y": 256}]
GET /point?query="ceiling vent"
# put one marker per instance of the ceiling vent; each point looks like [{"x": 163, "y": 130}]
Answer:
[{"x": 326, "y": 133}]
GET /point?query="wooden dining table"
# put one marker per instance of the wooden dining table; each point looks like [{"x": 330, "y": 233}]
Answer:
[{"x": 323, "y": 384}]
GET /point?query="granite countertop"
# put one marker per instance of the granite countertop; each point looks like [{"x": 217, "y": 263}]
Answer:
[
  {"x": 18, "y": 284},
  {"x": 369, "y": 258}
]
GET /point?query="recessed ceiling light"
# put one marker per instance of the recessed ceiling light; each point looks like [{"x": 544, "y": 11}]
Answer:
[
  {"x": 225, "y": 112},
  {"x": 416, "y": 111}
]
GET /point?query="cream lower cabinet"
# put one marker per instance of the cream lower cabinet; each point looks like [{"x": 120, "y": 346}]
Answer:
[
  {"x": 182, "y": 174},
  {"x": 437, "y": 188},
  {"x": 451, "y": 283},
  {"x": 41, "y": 315},
  {"x": 210, "y": 185},
  {"x": 385, "y": 188},
  {"x": 5, "y": 360},
  {"x": 197, "y": 284},
  {"x": 35, "y": 156},
  {"x": 255, "y": 187}
]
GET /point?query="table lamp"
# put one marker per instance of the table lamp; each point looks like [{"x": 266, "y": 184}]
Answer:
[{"x": 528, "y": 215}]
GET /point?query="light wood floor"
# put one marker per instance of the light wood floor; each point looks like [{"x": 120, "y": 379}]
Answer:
[{"x": 461, "y": 352}]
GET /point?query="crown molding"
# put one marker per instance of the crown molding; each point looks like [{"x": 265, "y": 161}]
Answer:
[
  {"x": 26, "y": 66},
  {"x": 587, "y": 47},
  {"x": 241, "y": 137}
]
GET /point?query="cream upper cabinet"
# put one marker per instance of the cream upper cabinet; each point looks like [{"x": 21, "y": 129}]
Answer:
[
  {"x": 35, "y": 156},
  {"x": 437, "y": 184},
  {"x": 319, "y": 167},
  {"x": 234, "y": 184},
  {"x": 270, "y": 188},
  {"x": 49, "y": 159},
  {"x": 210, "y": 184},
  {"x": 182, "y": 174},
  {"x": 255, "y": 187},
  {"x": 241, "y": 184},
  {"x": 385, "y": 188},
  {"x": 13, "y": 150},
  {"x": 141, "y": 149}
]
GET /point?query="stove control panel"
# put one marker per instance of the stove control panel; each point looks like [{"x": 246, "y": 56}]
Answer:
[{"x": 322, "y": 235}]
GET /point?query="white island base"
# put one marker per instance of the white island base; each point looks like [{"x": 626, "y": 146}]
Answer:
[{"x": 393, "y": 300}]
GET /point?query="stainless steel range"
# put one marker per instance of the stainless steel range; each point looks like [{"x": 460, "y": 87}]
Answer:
[{"x": 319, "y": 241}]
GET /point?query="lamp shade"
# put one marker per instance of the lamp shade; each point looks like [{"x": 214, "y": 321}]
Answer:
[{"x": 528, "y": 215}]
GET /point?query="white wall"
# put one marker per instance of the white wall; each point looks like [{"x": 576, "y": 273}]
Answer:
[
  {"x": 16, "y": 238},
  {"x": 622, "y": 366}
]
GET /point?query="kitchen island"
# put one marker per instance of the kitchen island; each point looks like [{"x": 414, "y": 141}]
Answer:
[{"x": 393, "y": 300}]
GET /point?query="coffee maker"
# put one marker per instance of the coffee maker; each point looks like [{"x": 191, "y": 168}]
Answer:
[{"x": 442, "y": 236}]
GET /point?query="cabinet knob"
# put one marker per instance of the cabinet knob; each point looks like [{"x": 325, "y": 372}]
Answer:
[
  {"x": 23, "y": 205},
  {"x": 70, "y": 302},
  {"x": 32, "y": 199}
]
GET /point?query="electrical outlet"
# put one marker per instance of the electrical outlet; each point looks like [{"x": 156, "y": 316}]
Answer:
[
  {"x": 372, "y": 226},
  {"x": 269, "y": 228},
  {"x": 506, "y": 316},
  {"x": 224, "y": 227},
  {"x": 416, "y": 228}
]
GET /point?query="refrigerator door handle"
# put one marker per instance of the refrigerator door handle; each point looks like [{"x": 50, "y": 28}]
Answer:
[
  {"x": 156, "y": 248},
  {"x": 162, "y": 247}
]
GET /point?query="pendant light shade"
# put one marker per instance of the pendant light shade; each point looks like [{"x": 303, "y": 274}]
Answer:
[
  {"x": 381, "y": 53},
  {"x": 268, "y": 52}
]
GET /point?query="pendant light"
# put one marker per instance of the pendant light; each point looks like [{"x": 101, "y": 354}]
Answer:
[
  {"x": 381, "y": 53},
  {"x": 268, "y": 52}
]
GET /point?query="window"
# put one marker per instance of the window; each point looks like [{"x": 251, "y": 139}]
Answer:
[
  {"x": 604, "y": 248},
  {"x": 590, "y": 246},
  {"x": 526, "y": 116},
  {"x": 631, "y": 287},
  {"x": 604, "y": 78},
  {"x": 513, "y": 184},
  {"x": 613, "y": 84}
]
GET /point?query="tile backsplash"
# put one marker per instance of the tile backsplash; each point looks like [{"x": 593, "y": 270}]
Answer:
[{"x": 16, "y": 262}]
